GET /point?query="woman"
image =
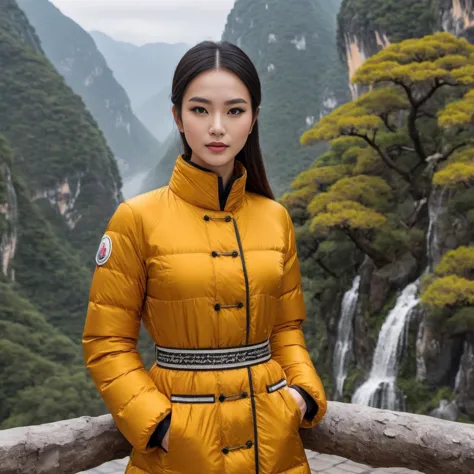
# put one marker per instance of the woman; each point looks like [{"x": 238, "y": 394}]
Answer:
[{"x": 209, "y": 264}]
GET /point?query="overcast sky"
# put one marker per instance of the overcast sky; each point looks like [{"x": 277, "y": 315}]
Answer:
[{"x": 145, "y": 21}]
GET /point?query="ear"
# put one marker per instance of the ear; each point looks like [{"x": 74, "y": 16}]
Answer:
[
  {"x": 178, "y": 122},
  {"x": 257, "y": 112}
]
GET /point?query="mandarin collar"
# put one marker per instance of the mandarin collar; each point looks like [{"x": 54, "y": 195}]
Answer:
[{"x": 203, "y": 188}]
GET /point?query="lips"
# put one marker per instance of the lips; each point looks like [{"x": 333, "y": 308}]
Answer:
[{"x": 216, "y": 147}]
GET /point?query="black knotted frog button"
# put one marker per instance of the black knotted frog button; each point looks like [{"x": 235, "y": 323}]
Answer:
[
  {"x": 235, "y": 254},
  {"x": 225, "y": 450},
  {"x": 222, "y": 398},
  {"x": 214, "y": 254},
  {"x": 228, "y": 218},
  {"x": 217, "y": 307},
  {"x": 207, "y": 218},
  {"x": 249, "y": 444},
  {"x": 240, "y": 304}
]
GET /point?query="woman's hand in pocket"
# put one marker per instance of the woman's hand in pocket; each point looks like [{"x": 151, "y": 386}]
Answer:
[
  {"x": 166, "y": 439},
  {"x": 299, "y": 400}
]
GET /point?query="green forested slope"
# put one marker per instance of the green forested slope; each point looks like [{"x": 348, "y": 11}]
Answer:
[
  {"x": 59, "y": 185},
  {"x": 76, "y": 57}
]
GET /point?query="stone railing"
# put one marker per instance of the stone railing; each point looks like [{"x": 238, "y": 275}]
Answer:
[{"x": 380, "y": 438}]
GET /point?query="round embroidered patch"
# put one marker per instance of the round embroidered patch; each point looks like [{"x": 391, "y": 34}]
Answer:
[{"x": 104, "y": 251}]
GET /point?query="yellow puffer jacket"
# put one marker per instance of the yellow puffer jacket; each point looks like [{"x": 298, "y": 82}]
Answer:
[{"x": 199, "y": 278}]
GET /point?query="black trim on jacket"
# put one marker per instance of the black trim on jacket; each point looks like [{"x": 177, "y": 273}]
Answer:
[
  {"x": 311, "y": 405},
  {"x": 157, "y": 437}
]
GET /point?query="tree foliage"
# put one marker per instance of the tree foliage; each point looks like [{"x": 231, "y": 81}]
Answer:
[
  {"x": 450, "y": 290},
  {"x": 405, "y": 77}
]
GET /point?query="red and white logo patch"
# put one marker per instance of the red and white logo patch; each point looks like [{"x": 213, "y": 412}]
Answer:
[{"x": 104, "y": 251}]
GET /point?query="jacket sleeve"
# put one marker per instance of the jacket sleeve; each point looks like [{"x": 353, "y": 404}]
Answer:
[
  {"x": 111, "y": 333},
  {"x": 287, "y": 339}
]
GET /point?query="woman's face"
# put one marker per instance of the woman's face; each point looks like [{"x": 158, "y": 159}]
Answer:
[{"x": 209, "y": 116}]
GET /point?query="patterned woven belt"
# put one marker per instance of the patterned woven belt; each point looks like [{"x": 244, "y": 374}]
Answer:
[{"x": 213, "y": 359}]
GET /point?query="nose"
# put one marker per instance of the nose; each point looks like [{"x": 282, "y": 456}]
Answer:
[{"x": 217, "y": 127}]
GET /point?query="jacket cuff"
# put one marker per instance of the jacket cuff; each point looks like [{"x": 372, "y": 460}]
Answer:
[
  {"x": 157, "y": 437},
  {"x": 311, "y": 405}
]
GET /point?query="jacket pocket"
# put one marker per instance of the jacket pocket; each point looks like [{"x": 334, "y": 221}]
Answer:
[
  {"x": 194, "y": 434},
  {"x": 180, "y": 413},
  {"x": 281, "y": 387}
]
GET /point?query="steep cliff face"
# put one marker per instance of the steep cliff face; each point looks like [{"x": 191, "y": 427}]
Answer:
[
  {"x": 76, "y": 57},
  {"x": 366, "y": 26},
  {"x": 292, "y": 44},
  {"x": 457, "y": 17},
  {"x": 8, "y": 212}
]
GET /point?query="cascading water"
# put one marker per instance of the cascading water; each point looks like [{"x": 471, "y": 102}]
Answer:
[
  {"x": 380, "y": 389},
  {"x": 436, "y": 208},
  {"x": 344, "y": 337}
]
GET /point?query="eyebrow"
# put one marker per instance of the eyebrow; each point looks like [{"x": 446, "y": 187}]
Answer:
[{"x": 207, "y": 101}]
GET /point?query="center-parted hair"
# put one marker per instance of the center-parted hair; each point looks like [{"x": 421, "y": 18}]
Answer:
[{"x": 210, "y": 55}]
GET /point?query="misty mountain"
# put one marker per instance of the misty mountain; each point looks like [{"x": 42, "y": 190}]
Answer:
[
  {"x": 155, "y": 113},
  {"x": 143, "y": 71},
  {"x": 76, "y": 57}
]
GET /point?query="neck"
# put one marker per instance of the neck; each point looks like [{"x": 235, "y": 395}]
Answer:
[{"x": 224, "y": 171}]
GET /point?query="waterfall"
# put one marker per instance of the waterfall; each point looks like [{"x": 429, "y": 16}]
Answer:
[
  {"x": 8, "y": 240},
  {"x": 380, "y": 389},
  {"x": 436, "y": 209},
  {"x": 344, "y": 337}
]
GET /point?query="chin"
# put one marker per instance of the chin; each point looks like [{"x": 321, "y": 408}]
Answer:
[{"x": 217, "y": 159}]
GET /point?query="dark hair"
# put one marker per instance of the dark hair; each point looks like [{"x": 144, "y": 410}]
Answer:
[{"x": 203, "y": 57}]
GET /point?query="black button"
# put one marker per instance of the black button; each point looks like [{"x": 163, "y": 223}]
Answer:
[
  {"x": 235, "y": 254},
  {"x": 207, "y": 218},
  {"x": 240, "y": 304},
  {"x": 214, "y": 253},
  {"x": 249, "y": 444},
  {"x": 217, "y": 307},
  {"x": 245, "y": 394},
  {"x": 222, "y": 398},
  {"x": 228, "y": 218},
  {"x": 225, "y": 450}
]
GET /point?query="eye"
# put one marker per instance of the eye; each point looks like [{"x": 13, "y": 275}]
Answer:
[
  {"x": 197, "y": 109},
  {"x": 238, "y": 109}
]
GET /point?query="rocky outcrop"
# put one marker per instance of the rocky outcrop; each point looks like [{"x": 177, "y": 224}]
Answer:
[
  {"x": 457, "y": 17},
  {"x": 437, "y": 354},
  {"x": 63, "y": 199},
  {"x": 464, "y": 384},
  {"x": 9, "y": 213},
  {"x": 363, "y": 33},
  {"x": 358, "y": 49},
  {"x": 364, "y": 343}
]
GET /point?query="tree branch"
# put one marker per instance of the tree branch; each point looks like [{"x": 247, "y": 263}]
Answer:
[
  {"x": 325, "y": 268},
  {"x": 363, "y": 244},
  {"x": 384, "y": 118},
  {"x": 450, "y": 152},
  {"x": 385, "y": 158}
]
